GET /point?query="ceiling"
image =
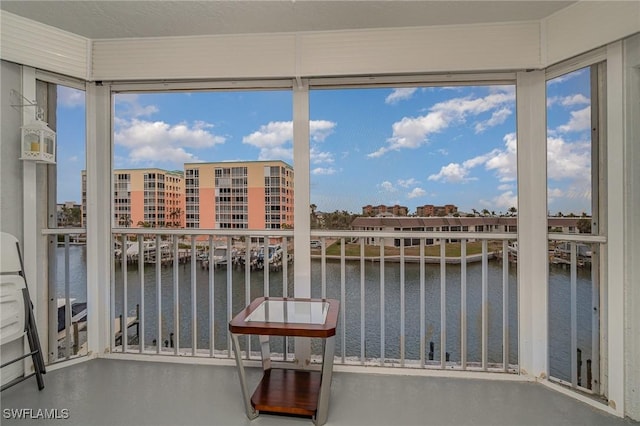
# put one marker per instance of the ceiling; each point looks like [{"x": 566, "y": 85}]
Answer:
[{"x": 123, "y": 19}]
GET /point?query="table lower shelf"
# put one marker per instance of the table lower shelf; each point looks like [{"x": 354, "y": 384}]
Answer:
[{"x": 288, "y": 392}]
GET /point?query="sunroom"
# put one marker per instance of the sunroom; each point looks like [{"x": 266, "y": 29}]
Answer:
[{"x": 532, "y": 321}]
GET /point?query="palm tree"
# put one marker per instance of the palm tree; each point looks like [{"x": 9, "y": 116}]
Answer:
[
  {"x": 314, "y": 217},
  {"x": 485, "y": 212},
  {"x": 125, "y": 221},
  {"x": 513, "y": 211},
  {"x": 176, "y": 215}
]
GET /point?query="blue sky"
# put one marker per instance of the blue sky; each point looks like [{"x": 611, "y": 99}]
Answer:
[{"x": 407, "y": 146}]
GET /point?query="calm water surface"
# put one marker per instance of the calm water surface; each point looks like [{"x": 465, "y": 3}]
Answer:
[{"x": 559, "y": 310}]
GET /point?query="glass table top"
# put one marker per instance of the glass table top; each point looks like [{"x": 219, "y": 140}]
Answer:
[{"x": 290, "y": 311}]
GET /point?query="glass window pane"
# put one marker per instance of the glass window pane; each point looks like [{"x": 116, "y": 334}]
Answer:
[{"x": 573, "y": 266}]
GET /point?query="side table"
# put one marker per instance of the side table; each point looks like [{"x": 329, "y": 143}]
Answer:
[{"x": 288, "y": 391}]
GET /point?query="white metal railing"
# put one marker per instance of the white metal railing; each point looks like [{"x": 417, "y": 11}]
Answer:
[
  {"x": 179, "y": 292},
  {"x": 155, "y": 249},
  {"x": 401, "y": 305},
  {"x": 426, "y": 359},
  {"x": 580, "y": 255},
  {"x": 67, "y": 289}
]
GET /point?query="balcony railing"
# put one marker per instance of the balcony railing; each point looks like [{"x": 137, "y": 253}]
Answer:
[
  {"x": 401, "y": 304},
  {"x": 438, "y": 300},
  {"x": 574, "y": 306},
  {"x": 67, "y": 287}
]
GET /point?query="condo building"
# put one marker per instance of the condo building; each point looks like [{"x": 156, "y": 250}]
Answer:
[
  {"x": 395, "y": 210},
  {"x": 430, "y": 210},
  {"x": 145, "y": 198},
  {"x": 239, "y": 195}
]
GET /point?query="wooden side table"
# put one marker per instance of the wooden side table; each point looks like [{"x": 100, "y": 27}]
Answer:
[{"x": 288, "y": 391}]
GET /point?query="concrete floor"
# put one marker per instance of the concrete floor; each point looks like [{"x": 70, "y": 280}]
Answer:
[{"x": 118, "y": 392}]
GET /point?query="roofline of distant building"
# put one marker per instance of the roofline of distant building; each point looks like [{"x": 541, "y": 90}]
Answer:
[
  {"x": 453, "y": 221},
  {"x": 180, "y": 172},
  {"x": 239, "y": 162}
]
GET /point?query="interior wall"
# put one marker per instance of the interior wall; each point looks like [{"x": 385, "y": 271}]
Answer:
[
  {"x": 10, "y": 182},
  {"x": 10, "y": 167},
  {"x": 631, "y": 52}
]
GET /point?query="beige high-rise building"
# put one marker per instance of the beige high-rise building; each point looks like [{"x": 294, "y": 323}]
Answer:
[
  {"x": 145, "y": 198},
  {"x": 239, "y": 195}
]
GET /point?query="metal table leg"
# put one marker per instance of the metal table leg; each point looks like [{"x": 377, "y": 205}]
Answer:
[
  {"x": 251, "y": 412},
  {"x": 265, "y": 349},
  {"x": 325, "y": 383}
]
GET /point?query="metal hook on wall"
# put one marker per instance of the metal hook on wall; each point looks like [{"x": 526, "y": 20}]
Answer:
[{"x": 30, "y": 103}]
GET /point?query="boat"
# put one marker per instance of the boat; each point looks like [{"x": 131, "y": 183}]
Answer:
[
  {"x": 563, "y": 249},
  {"x": 220, "y": 255},
  {"x": 78, "y": 312}
]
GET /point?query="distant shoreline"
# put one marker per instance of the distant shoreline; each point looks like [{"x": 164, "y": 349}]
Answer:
[{"x": 411, "y": 259}]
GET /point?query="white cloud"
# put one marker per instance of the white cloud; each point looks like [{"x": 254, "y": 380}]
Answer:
[
  {"x": 568, "y": 160},
  {"x": 504, "y": 201},
  {"x": 128, "y": 106},
  {"x": 319, "y": 157},
  {"x": 498, "y": 117},
  {"x": 567, "y": 101},
  {"x": 452, "y": 172},
  {"x": 274, "y": 138},
  {"x": 480, "y": 159},
  {"x": 161, "y": 154},
  {"x": 323, "y": 171},
  {"x": 553, "y": 193},
  {"x": 387, "y": 186},
  {"x": 504, "y": 162},
  {"x": 505, "y": 187},
  {"x": 406, "y": 183},
  {"x": 157, "y": 141},
  {"x": 140, "y": 132},
  {"x": 320, "y": 129},
  {"x": 580, "y": 120},
  {"x": 416, "y": 193},
  {"x": 413, "y": 132},
  {"x": 400, "y": 95},
  {"x": 69, "y": 97}
]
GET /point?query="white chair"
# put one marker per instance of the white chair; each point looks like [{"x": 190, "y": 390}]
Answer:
[{"x": 17, "y": 319}]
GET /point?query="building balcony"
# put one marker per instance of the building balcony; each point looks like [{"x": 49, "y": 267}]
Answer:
[
  {"x": 458, "y": 365},
  {"x": 528, "y": 323},
  {"x": 144, "y": 392}
]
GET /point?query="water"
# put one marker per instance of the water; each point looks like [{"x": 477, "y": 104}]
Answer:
[{"x": 559, "y": 307}]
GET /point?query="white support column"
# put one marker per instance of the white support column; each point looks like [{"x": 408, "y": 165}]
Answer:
[
  {"x": 302, "y": 199},
  {"x": 532, "y": 224},
  {"x": 615, "y": 230},
  {"x": 301, "y": 220},
  {"x": 98, "y": 216},
  {"x": 29, "y": 185},
  {"x": 30, "y": 228},
  {"x": 632, "y": 224}
]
